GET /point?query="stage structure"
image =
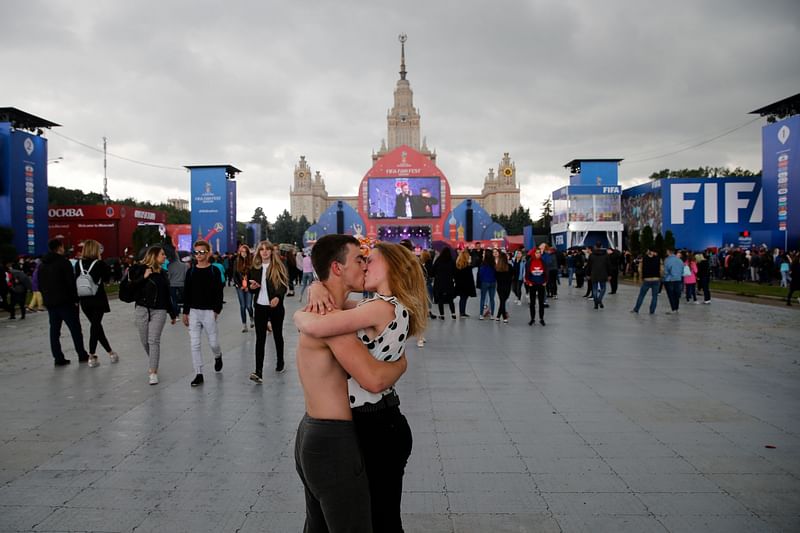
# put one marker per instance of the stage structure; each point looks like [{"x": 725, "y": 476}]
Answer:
[
  {"x": 780, "y": 144},
  {"x": 23, "y": 179},
  {"x": 214, "y": 205},
  {"x": 587, "y": 210}
]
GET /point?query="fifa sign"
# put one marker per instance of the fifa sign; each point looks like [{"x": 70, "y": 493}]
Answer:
[{"x": 717, "y": 201}]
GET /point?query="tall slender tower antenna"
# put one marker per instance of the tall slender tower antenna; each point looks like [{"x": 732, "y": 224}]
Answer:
[
  {"x": 402, "y": 38},
  {"x": 105, "y": 173}
]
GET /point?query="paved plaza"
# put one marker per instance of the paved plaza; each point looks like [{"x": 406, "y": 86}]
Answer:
[{"x": 600, "y": 421}]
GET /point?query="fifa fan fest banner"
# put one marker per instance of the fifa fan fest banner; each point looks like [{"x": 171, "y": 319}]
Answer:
[
  {"x": 781, "y": 178},
  {"x": 23, "y": 189},
  {"x": 214, "y": 207}
]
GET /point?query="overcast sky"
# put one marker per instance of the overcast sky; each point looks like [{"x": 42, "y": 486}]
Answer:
[{"x": 258, "y": 84}]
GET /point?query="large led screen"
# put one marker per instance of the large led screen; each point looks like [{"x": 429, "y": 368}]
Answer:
[{"x": 404, "y": 198}]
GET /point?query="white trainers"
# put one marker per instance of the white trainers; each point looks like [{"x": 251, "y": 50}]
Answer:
[
  {"x": 114, "y": 357},
  {"x": 153, "y": 379},
  {"x": 420, "y": 343},
  {"x": 93, "y": 361}
]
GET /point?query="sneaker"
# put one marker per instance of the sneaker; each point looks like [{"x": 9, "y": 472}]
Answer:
[
  {"x": 497, "y": 319},
  {"x": 153, "y": 379},
  {"x": 114, "y": 357},
  {"x": 480, "y": 317},
  {"x": 707, "y": 302},
  {"x": 441, "y": 317},
  {"x": 421, "y": 343},
  {"x": 669, "y": 313},
  {"x": 634, "y": 311},
  {"x": 602, "y": 306},
  {"x": 695, "y": 302},
  {"x": 465, "y": 315},
  {"x": 244, "y": 328},
  {"x": 93, "y": 362},
  {"x": 218, "y": 363},
  {"x": 62, "y": 362},
  {"x": 281, "y": 368},
  {"x": 453, "y": 316},
  {"x": 256, "y": 378},
  {"x": 252, "y": 324},
  {"x": 542, "y": 322},
  {"x": 505, "y": 321},
  {"x": 198, "y": 380},
  {"x": 519, "y": 302}
]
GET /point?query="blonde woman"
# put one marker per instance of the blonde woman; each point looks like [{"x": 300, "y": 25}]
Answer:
[
  {"x": 153, "y": 304},
  {"x": 465, "y": 283},
  {"x": 95, "y": 306},
  {"x": 268, "y": 281},
  {"x": 383, "y": 323}
]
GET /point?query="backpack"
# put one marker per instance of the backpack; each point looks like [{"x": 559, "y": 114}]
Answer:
[
  {"x": 84, "y": 282},
  {"x": 126, "y": 293}
]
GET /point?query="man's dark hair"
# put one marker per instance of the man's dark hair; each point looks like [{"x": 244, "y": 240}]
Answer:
[
  {"x": 54, "y": 245},
  {"x": 407, "y": 243},
  {"x": 328, "y": 249}
]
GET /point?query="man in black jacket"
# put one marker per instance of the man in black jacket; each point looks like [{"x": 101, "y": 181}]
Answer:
[
  {"x": 600, "y": 268},
  {"x": 57, "y": 284}
]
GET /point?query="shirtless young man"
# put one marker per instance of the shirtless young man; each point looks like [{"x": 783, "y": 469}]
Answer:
[{"x": 327, "y": 456}]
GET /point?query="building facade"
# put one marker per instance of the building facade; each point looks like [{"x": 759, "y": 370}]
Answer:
[{"x": 309, "y": 197}]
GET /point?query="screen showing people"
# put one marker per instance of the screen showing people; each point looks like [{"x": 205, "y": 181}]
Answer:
[{"x": 404, "y": 198}]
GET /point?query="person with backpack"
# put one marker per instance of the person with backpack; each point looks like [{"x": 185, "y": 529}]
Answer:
[
  {"x": 91, "y": 275},
  {"x": 148, "y": 281},
  {"x": 60, "y": 293},
  {"x": 18, "y": 286},
  {"x": 202, "y": 304}
]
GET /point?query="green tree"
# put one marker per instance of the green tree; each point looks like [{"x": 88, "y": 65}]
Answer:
[
  {"x": 547, "y": 213},
  {"x": 634, "y": 245},
  {"x": 659, "y": 245},
  {"x": 646, "y": 238},
  {"x": 703, "y": 172},
  {"x": 284, "y": 229},
  {"x": 301, "y": 226},
  {"x": 260, "y": 218},
  {"x": 669, "y": 240},
  {"x": 145, "y": 236}
]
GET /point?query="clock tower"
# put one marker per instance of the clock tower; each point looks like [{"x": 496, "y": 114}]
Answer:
[{"x": 403, "y": 117}]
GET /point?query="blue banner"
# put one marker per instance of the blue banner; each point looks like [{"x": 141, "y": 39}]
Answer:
[
  {"x": 209, "y": 206},
  {"x": 23, "y": 189},
  {"x": 781, "y": 177},
  {"x": 231, "y": 207}
]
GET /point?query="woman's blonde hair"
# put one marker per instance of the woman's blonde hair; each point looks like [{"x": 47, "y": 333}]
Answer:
[
  {"x": 151, "y": 256},
  {"x": 464, "y": 260},
  {"x": 278, "y": 275},
  {"x": 91, "y": 249},
  {"x": 424, "y": 256},
  {"x": 407, "y": 283}
]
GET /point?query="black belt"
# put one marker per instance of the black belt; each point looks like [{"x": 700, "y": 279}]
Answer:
[{"x": 389, "y": 400}]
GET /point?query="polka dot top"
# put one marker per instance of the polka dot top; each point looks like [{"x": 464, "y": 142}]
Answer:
[{"x": 388, "y": 346}]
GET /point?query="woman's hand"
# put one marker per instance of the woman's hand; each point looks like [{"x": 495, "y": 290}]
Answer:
[
  {"x": 274, "y": 302},
  {"x": 254, "y": 284},
  {"x": 320, "y": 300},
  {"x": 147, "y": 272}
]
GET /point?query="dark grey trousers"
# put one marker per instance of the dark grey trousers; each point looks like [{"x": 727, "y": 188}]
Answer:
[{"x": 331, "y": 468}]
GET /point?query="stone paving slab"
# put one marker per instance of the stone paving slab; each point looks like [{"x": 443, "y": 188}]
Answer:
[{"x": 600, "y": 421}]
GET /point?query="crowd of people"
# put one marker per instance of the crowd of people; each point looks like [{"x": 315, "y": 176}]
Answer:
[{"x": 350, "y": 353}]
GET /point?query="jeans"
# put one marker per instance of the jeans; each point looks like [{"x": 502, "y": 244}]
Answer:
[
  {"x": 703, "y": 285},
  {"x": 570, "y": 273},
  {"x": 462, "y": 305},
  {"x": 202, "y": 320},
  {"x": 673, "y": 289},
  {"x": 651, "y": 286},
  {"x": 308, "y": 278},
  {"x": 537, "y": 293},
  {"x": 175, "y": 295},
  {"x": 784, "y": 280},
  {"x": 273, "y": 315},
  {"x": 598, "y": 291},
  {"x": 245, "y": 304},
  {"x": 67, "y": 314},
  {"x": 488, "y": 289},
  {"x": 691, "y": 292}
]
